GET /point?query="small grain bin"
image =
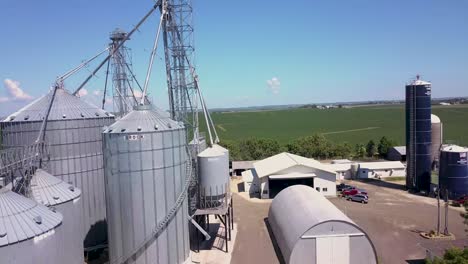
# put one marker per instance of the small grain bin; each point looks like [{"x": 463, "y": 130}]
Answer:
[
  {"x": 453, "y": 171},
  {"x": 73, "y": 133},
  {"x": 146, "y": 169},
  {"x": 436, "y": 139},
  {"x": 213, "y": 174},
  {"x": 29, "y": 232},
  {"x": 65, "y": 198}
]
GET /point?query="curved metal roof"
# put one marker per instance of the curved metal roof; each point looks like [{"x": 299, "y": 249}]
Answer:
[
  {"x": 65, "y": 107},
  {"x": 22, "y": 218},
  {"x": 454, "y": 148},
  {"x": 435, "y": 119},
  {"x": 297, "y": 209},
  {"x": 50, "y": 190},
  {"x": 210, "y": 152},
  {"x": 144, "y": 118}
]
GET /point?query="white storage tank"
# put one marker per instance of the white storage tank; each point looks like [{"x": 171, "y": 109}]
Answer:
[
  {"x": 146, "y": 170},
  {"x": 73, "y": 133},
  {"x": 65, "y": 198},
  {"x": 29, "y": 232},
  {"x": 436, "y": 138},
  {"x": 213, "y": 166}
]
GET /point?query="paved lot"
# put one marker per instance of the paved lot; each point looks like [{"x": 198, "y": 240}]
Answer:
[{"x": 393, "y": 220}]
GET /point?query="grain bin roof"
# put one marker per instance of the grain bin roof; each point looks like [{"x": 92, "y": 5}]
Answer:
[
  {"x": 210, "y": 152},
  {"x": 400, "y": 149},
  {"x": 298, "y": 209},
  {"x": 454, "y": 148},
  {"x": 65, "y": 107},
  {"x": 144, "y": 118},
  {"x": 50, "y": 190},
  {"x": 435, "y": 119},
  {"x": 22, "y": 218}
]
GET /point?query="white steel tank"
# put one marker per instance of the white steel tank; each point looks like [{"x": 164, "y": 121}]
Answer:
[
  {"x": 213, "y": 167},
  {"x": 65, "y": 198},
  {"x": 29, "y": 232},
  {"x": 147, "y": 172}
]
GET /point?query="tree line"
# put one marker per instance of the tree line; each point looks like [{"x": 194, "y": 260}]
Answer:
[{"x": 315, "y": 146}]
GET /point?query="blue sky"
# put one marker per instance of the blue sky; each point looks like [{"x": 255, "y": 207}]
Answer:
[{"x": 248, "y": 52}]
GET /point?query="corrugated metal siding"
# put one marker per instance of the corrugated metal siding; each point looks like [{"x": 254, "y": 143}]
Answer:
[
  {"x": 51, "y": 191},
  {"x": 75, "y": 151},
  {"x": 145, "y": 172}
]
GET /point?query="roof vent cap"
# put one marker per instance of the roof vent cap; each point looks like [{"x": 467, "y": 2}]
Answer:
[
  {"x": 64, "y": 116},
  {"x": 55, "y": 197},
  {"x": 97, "y": 114},
  {"x": 38, "y": 219},
  {"x": 81, "y": 114},
  {"x": 122, "y": 130},
  {"x": 26, "y": 117},
  {"x": 156, "y": 127},
  {"x": 169, "y": 125},
  {"x": 12, "y": 118},
  {"x": 139, "y": 128},
  {"x": 71, "y": 188},
  {"x": 3, "y": 234}
]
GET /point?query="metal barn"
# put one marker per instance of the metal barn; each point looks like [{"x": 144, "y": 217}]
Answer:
[
  {"x": 73, "y": 133},
  {"x": 310, "y": 229}
]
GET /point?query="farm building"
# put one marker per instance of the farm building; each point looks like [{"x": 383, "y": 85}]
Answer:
[
  {"x": 397, "y": 153},
  {"x": 381, "y": 169},
  {"x": 310, "y": 229},
  {"x": 273, "y": 174},
  {"x": 343, "y": 170},
  {"x": 240, "y": 166}
]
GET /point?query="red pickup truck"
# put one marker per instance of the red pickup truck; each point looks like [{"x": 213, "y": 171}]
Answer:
[
  {"x": 460, "y": 201},
  {"x": 351, "y": 192}
]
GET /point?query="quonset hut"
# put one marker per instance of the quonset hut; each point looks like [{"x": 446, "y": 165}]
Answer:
[
  {"x": 147, "y": 173},
  {"x": 73, "y": 133},
  {"x": 29, "y": 232},
  {"x": 310, "y": 229},
  {"x": 65, "y": 198},
  {"x": 418, "y": 135}
]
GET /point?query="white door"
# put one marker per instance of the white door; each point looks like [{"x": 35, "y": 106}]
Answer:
[{"x": 332, "y": 250}]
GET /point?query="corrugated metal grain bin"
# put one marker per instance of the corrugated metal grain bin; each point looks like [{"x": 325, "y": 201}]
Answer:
[
  {"x": 29, "y": 232},
  {"x": 418, "y": 135},
  {"x": 310, "y": 229},
  {"x": 146, "y": 170},
  {"x": 74, "y": 136},
  {"x": 213, "y": 167},
  {"x": 453, "y": 171},
  {"x": 65, "y": 198}
]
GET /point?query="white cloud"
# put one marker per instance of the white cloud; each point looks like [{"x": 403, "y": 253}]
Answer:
[
  {"x": 82, "y": 92},
  {"x": 274, "y": 85},
  {"x": 14, "y": 89},
  {"x": 4, "y": 99}
]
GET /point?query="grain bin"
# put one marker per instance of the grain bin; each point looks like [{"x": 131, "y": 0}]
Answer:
[
  {"x": 65, "y": 198},
  {"x": 453, "y": 171},
  {"x": 74, "y": 136},
  {"x": 418, "y": 135},
  {"x": 213, "y": 166},
  {"x": 146, "y": 169},
  {"x": 436, "y": 139},
  {"x": 29, "y": 232}
]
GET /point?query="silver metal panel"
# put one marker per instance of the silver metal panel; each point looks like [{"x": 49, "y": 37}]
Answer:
[
  {"x": 145, "y": 171},
  {"x": 51, "y": 191},
  {"x": 75, "y": 151},
  {"x": 299, "y": 210},
  {"x": 213, "y": 168}
]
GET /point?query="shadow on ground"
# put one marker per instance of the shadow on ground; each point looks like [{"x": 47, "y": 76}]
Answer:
[{"x": 273, "y": 241}]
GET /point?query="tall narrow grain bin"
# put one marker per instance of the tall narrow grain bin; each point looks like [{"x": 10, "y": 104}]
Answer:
[
  {"x": 418, "y": 135},
  {"x": 146, "y": 169},
  {"x": 29, "y": 232},
  {"x": 436, "y": 138},
  {"x": 74, "y": 136},
  {"x": 65, "y": 198},
  {"x": 453, "y": 171}
]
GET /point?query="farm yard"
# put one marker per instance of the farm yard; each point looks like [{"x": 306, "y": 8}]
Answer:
[{"x": 353, "y": 125}]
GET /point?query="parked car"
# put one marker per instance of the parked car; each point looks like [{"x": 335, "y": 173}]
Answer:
[
  {"x": 350, "y": 192},
  {"x": 460, "y": 201},
  {"x": 362, "y": 191},
  {"x": 358, "y": 198},
  {"x": 342, "y": 186}
]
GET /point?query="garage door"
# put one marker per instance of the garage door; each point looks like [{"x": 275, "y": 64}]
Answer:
[
  {"x": 332, "y": 250},
  {"x": 278, "y": 185}
]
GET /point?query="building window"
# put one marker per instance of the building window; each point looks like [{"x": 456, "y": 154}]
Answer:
[
  {"x": 317, "y": 188},
  {"x": 325, "y": 189}
]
